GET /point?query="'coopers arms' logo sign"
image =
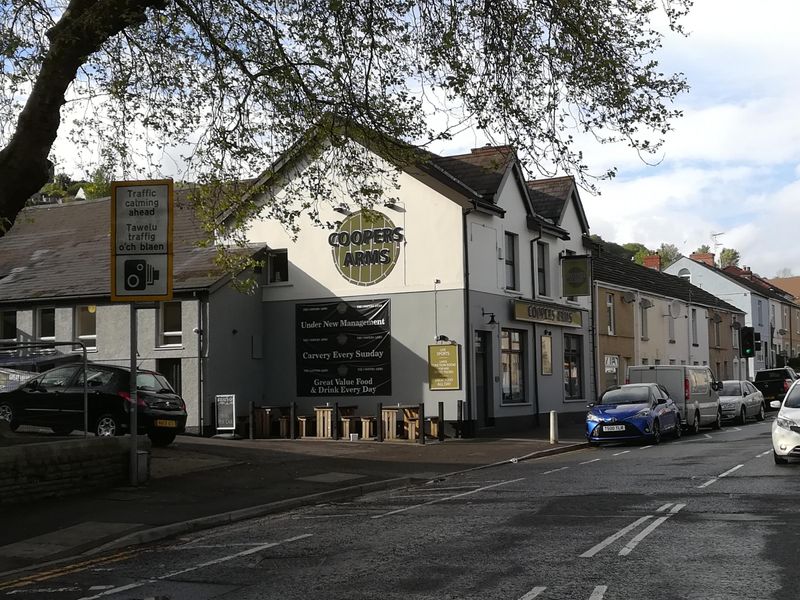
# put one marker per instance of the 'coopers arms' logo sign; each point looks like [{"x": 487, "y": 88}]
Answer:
[{"x": 366, "y": 247}]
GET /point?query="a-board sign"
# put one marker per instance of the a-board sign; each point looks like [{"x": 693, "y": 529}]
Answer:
[
  {"x": 444, "y": 371},
  {"x": 226, "y": 412},
  {"x": 141, "y": 240}
]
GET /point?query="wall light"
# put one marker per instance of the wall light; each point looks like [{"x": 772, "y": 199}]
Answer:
[{"x": 491, "y": 320}]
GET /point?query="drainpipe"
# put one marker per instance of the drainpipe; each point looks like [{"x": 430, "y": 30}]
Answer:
[
  {"x": 593, "y": 329},
  {"x": 534, "y": 345},
  {"x": 468, "y": 347}
]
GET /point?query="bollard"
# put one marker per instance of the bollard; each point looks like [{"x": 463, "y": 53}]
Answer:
[
  {"x": 252, "y": 417},
  {"x": 379, "y": 423},
  {"x": 421, "y": 428},
  {"x": 292, "y": 419},
  {"x": 553, "y": 427},
  {"x": 460, "y": 419},
  {"x": 335, "y": 421},
  {"x": 440, "y": 431}
]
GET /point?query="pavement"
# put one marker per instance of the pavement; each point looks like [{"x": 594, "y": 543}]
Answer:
[{"x": 198, "y": 483}]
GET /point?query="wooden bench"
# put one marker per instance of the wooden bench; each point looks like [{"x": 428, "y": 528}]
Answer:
[
  {"x": 302, "y": 422},
  {"x": 411, "y": 422},
  {"x": 434, "y": 426},
  {"x": 389, "y": 423},
  {"x": 348, "y": 425},
  {"x": 368, "y": 427}
]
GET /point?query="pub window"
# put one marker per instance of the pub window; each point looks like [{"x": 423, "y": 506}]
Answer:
[
  {"x": 541, "y": 268},
  {"x": 511, "y": 261},
  {"x": 170, "y": 324},
  {"x": 512, "y": 361},
  {"x": 46, "y": 324},
  {"x": 278, "y": 267},
  {"x": 610, "y": 314},
  {"x": 86, "y": 325},
  {"x": 573, "y": 366}
]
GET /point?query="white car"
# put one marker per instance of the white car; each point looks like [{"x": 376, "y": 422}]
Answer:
[
  {"x": 786, "y": 426},
  {"x": 740, "y": 400}
]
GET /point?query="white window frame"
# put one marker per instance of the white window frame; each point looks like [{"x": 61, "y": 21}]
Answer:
[
  {"x": 38, "y": 322},
  {"x": 90, "y": 340},
  {"x": 512, "y": 261},
  {"x": 611, "y": 314},
  {"x": 645, "y": 328},
  {"x": 270, "y": 268},
  {"x": 671, "y": 328},
  {"x": 542, "y": 269},
  {"x": 694, "y": 327},
  {"x": 162, "y": 334}
]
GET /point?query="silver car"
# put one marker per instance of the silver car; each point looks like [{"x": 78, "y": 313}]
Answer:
[{"x": 740, "y": 400}]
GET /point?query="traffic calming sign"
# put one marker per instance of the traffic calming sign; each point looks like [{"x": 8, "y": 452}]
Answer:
[{"x": 141, "y": 240}]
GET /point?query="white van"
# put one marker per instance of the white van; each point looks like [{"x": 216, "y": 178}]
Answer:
[{"x": 693, "y": 390}]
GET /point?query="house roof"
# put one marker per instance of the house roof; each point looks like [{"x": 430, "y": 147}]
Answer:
[
  {"x": 549, "y": 196},
  {"x": 747, "y": 275},
  {"x": 482, "y": 170},
  {"x": 62, "y": 251},
  {"x": 608, "y": 268},
  {"x": 790, "y": 284}
]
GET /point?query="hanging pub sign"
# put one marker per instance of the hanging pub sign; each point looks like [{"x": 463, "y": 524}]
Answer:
[
  {"x": 366, "y": 247},
  {"x": 575, "y": 275},
  {"x": 343, "y": 348},
  {"x": 444, "y": 363}
]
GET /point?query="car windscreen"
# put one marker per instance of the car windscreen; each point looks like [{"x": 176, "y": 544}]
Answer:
[
  {"x": 731, "y": 388},
  {"x": 631, "y": 395},
  {"x": 770, "y": 375},
  {"x": 152, "y": 382},
  {"x": 793, "y": 398}
]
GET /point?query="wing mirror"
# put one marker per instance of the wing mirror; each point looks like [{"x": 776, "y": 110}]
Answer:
[
  {"x": 716, "y": 385},
  {"x": 661, "y": 400},
  {"x": 775, "y": 404}
]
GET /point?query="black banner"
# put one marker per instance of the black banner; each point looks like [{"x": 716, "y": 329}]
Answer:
[{"x": 343, "y": 348}]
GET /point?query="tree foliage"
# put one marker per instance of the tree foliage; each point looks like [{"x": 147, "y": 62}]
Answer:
[
  {"x": 704, "y": 249},
  {"x": 729, "y": 258},
  {"x": 669, "y": 253},
  {"x": 639, "y": 251},
  {"x": 219, "y": 89}
]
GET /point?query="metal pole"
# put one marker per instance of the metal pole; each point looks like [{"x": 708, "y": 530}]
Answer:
[
  {"x": 441, "y": 422},
  {"x": 421, "y": 430},
  {"x": 85, "y": 395},
  {"x": 460, "y": 419},
  {"x": 553, "y": 427},
  {"x": 252, "y": 418},
  {"x": 134, "y": 429},
  {"x": 335, "y": 421},
  {"x": 292, "y": 420}
]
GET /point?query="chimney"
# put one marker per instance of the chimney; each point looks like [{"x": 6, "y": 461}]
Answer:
[
  {"x": 703, "y": 257},
  {"x": 653, "y": 262}
]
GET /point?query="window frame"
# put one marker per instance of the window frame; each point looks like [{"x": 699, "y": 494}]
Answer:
[
  {"x": 38, "y": 324},
  {"x": 163, "y": 334},
  {"x": 5, "y": 338},
  {"x": 507, "y": 351},
  {"x": 694, "y": 327},
  {"x": 645, "y": 326},
  {"x": 578, "y": 364},
  {"x": 611, "y": 316},
  {"x": 271, "y": 268},
  {"x": 76, "y": 322},
  {"x": 542, "y": 271},
  {"x": 511, "y": 247}
]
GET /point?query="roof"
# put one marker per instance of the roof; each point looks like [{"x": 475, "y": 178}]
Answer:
[
  {"x": 62, "y": 251},
  {"x": 615, "y": 270},
  {"x": 549, "y": 196},
  {"x": 482, "y": 170},
  {"x": 790, "y": 284}
]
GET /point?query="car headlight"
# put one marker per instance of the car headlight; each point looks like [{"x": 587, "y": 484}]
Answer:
[
  {"x": 785, "y": 423},
  {"x": 645, "y": 412},
  {"x": 593, "y": 418}
]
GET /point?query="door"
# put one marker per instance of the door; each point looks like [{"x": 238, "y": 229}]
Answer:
[
  {"x": 171, "y": 369},
  {"x": 484, "y": 390}
]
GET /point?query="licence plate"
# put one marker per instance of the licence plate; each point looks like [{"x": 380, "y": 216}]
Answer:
[
  {"x": 166, "y": 423},
  {"x": 613, "y": 427}
]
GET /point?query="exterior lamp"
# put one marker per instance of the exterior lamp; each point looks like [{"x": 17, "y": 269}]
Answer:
[{"x": 491, "y": 320}]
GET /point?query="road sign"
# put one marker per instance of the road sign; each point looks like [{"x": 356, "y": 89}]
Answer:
[{"x": 141, "y": 240}]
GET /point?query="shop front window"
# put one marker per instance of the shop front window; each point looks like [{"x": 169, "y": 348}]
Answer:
[
  {"x": 573, "y": 366},
  {"x": 512, "y": 358}
]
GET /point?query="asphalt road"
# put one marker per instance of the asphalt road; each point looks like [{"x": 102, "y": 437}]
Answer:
[{"x": 706, "y": 517}]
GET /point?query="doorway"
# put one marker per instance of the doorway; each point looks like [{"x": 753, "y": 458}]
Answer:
[{"x": 483, "y": 378}]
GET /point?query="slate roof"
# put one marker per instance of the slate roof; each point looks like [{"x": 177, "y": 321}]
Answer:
[
  {"x": 550, "y": 195},
  {"x": 608, "y": 268},
  {"x": 790, "y": 284},
  {"x": 482, "y": 170},
  {"x": 62, "y": 251},
  {"x": 758, "y": 288}
]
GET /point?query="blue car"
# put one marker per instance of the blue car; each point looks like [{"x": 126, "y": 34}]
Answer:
[{"x": 636, "y": 411}]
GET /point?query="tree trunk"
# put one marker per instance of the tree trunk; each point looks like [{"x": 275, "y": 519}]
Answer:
[{"x": 83, "y": 29}]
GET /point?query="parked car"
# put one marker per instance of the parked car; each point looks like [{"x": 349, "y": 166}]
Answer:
[
  {"x": 633, "y": 411},
  {"x": 741, "y": 400},
  {"x": 692, "y": 388},
  {"x": 774, "y": 383},
  {"x": 786, "y": 426},
  {"x": 54, "y": 399}
]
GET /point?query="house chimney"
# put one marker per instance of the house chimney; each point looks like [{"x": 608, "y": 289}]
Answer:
[
  {"x": 653, "y": 262},
  {"x": 703, "y": 257}
]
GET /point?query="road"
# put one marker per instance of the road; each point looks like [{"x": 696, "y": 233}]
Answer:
[{"x": 705, "y": 517}]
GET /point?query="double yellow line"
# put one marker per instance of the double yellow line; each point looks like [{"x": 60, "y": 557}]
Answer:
[{"x": 66, "y": 570}]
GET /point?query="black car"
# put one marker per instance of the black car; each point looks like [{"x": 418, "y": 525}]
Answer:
[{"x": 54, "y": 399}]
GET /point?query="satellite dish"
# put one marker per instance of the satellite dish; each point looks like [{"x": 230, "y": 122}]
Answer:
[
  {"x": 645, "y": 303},
  {"x": 628, "y": 297},
  {"x": 675, "y": 309},
  {"x": 737, "y": 325},
  {"x": 716, "y": 318}
]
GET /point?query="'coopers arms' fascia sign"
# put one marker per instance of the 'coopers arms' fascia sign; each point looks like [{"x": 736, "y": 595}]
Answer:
[
  {"x": 141, "y": 240},
  {"x": 366, "y": 247}
]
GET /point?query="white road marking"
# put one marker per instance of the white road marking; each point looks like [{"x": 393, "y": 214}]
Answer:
[
  {"x": 729, "y": 471},
  {"x": 533, "y": 593},
  {"x": 598, "y": 592},
  {"x": 663, "y": 508},
  {"x": 589, "y": 461},
  {"x": 96, "y": 588},
  {"x": 648, "y": 530},
  {"x": 646, "y": 447},
  {"x": 737, "y": 428},
  {"x": 554, "y": 470},
  {"x": 707, "y": 483},
  {"x": 209, "y": 563},
  {"x": 45, "y": 590},
  {"x": 623, "y": 452},
  {"x": 763, "y": 453},
  {"x": 612, "y": 538},
  {"x": 707, "y": 436},
  {"x": 399, "y": 510}
]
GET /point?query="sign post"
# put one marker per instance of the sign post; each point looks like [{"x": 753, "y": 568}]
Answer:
[{"x": 141, "y": 264}]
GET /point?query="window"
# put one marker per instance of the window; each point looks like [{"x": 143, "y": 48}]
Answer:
[
  {"x": 671, "y": 329},
  {"x": 694, "y": 326},
  {"x": 8, "y": 326},
  {"x": 672, "y": 361},
  {"x": 95, "y": 377},
  {"x": 513, "y": 361},
  {"x": 717, "y": 328},
  {"x": 171, "y": 369},
  {"x": 643, "y": 311},
  {"x": 57, "y": 378},
  {"x": 658, "y": 361},
  {"x": 573, "y": 366},
  {"x": 783, "y": 317},
  {"x": 735, "y": 336},
  {"x": 610, "y": 314},
  {"x": 511, "y": 261},
  {"x": 542, "y": 256},
  {"x": 645, "y": 361},
  {"x": 772, "y": 315},
  {"x": 86, "y": 325},
  {"x": 760, "y": 314},
  {"x": 171, "y": 327},
  {"x": 278, "y": 267},
  {"x": 685, "y": 274},
  {"x": 46, "y": 324}
]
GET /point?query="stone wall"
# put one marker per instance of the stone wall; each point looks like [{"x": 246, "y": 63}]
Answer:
[{"x": 33, "y": 471}]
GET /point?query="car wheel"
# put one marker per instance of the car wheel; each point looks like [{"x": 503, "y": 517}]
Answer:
[
  {"x": 107, "y": 426},
  {"x": 718, "y": 422},
  {"x": 761, "y": 413},
  {"x": 678, "y": 428},
  {"x": 163, "y": 438},
  {"x": 779, "y": 460},
  {"x": 7, "y": 414},
  {"x": 62, "y": 430},
  {"x": 695, "y": 428},
  {"x": 656, "y": 433},
  {"x": 742, "y": 417}
]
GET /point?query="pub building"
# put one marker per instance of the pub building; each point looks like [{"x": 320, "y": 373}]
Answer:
[{"x": 451, "y": 292}]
